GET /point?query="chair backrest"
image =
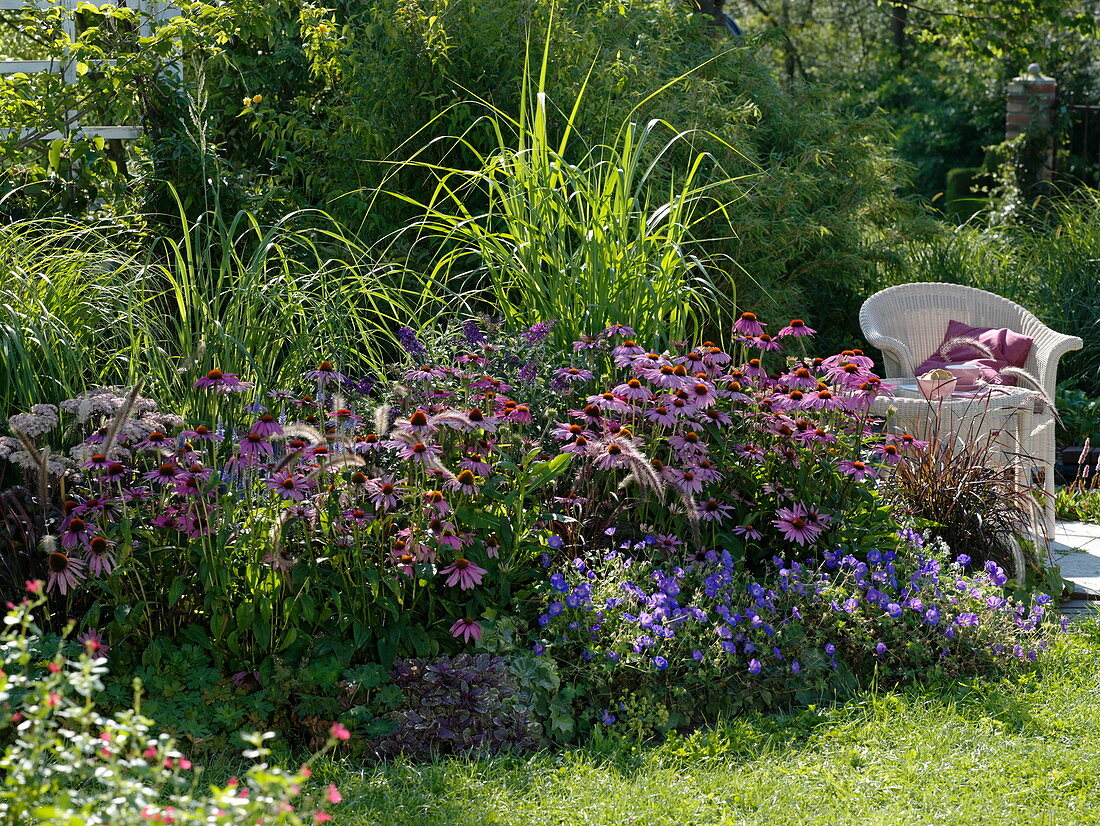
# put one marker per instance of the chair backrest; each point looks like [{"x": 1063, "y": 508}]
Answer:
[{"x": 917, "y": 314}]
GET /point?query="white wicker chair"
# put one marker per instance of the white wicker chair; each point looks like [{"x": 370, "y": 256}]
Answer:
[{"x": 907, "y": 323}]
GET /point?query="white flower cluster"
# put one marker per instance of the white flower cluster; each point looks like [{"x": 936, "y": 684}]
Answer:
[{"x": 41, "y": 419}]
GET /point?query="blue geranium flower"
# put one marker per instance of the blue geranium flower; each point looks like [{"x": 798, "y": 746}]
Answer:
[{"x": 660, "y": 662}]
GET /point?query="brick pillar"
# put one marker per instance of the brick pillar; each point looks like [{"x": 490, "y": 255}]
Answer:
[{"x": 1029, "y": 111}]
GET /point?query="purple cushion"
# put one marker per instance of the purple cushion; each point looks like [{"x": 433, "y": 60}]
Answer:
[{"x": 1008, "y": 348}]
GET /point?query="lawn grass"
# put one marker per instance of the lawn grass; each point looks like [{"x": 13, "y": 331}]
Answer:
[{"x": 985, "y": 752}]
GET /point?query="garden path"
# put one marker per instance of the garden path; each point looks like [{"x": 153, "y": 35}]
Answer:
[{"x": 1076, "y": 550}]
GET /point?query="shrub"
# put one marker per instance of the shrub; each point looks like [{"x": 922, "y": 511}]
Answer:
[{"x": 64, "y": 762}]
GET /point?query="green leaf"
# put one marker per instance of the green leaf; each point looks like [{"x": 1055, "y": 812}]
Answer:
[{"x": 54, "y": 154}]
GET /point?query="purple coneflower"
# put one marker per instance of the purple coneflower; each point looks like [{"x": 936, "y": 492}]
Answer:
[
  {"x": 417, "y": 423},
  {"x": 661, "y": 415},
  {"x": 687, "y": 480},
  {"x": 573, "y": 375},
  {"x": 366, "y": 444},
  {"x": 75, "y": 531},
  {"x": 290, "y": 485},
  {"x": 796, "y": 524},
  {"x": 101, "y": 557},
  {"x": 253, "y": 447},
  {"x": 115, "y": 473},
  {"x": 325, "y": 372},
  {"x": 856, "y": 469},
  {"x": 608, "y": 455},
  {"x": 425, "y": 373},
  {"x": 520, "y": 414},
  {"x": 633, "y": 390},
  {"x": 464, "y": 482},
  {"x": 747, "y": 531},
  {"x": 202, "y": 432},
  {"x": 65, "y": 572},
  {"x": 617, "y": 330},
  {"x": 387, "y": 493},
  {"x": 764, "y": 342},
  {"x": 419, "y": 452},
  {"x": 888, "y": 453},
  {"x": 712, "y": 509},
  {"x": 155, "y": 441},
  {"x": 358, "y": 516},
  {"x": 748, "y": 325},
  {"x": 464, "y": 573},
  {"x": 909, "y": 442},
  {"x": 797, "y": 327},
  {"x": 854, "y": 356},
  {"x": 222, "y": 382},
  {"x": 93, "y": 643},
  {"x": 466, "y": 628},
  {"x": 799, "y": 379},
  {"x": 99, "y": 461}
]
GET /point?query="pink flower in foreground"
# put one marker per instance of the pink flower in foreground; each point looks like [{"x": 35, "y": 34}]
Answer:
[
  {"x": 466, "y": 628},
  {"x": 339, "y": 732},
  {"x": 464, "y": 573},
  {"x": 333, "y": 794},
  {"x": 857, "y": 470},
  {"x": 748, "y": 325},
  {"x": 290, "y": 485},
  {"x": 797, "y": 327}
]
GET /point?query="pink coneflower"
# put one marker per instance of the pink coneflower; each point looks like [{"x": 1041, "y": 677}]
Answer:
[
  {"x": 476, "y": 463},
  {"x": 406, "y": 563},
  {"x": 714, "y": 417},
  {"x": 477, "y": 418},
  {"x": 797, "y": 327},
  {"x": 705, "y": 471},
  {"x": 155, "y": 441},
  {"x": 747, "y": 531},
  {"x": 466, "y": 628},
  {"x": 715, "y": 356},
  {"x": 325, "y": 372},
  {"x": 133, "y": 496},
  {"x": 686, "y": 480},
  {"x": 290, "y": 485},
  {"x": 751, "y": 452},
  {"x": 799, "y": 379},
  {"x": 446, "y": 534},
  {"x": 580, "y": 445},
  {"x": 610, "y": 455},
  {"x": 425, "y": 374},
  {"x": 417, "y": 423},
  {"x": 754, "y": 371},
  {"x": 625, "y": 353},
  {"x": 115, "y": 473},
  {"x": 164, "y": 474},
  {"x": 764, "y": 342},
  {"x": 464, "y": 482},
  {"x": 856, "y": 469},
  {"x": 520, "y": 414},
  {"x": 609, "y": 401},
  {"x": 387, "y": 493},
  {"x": 369, "y": 443},
  {"x": 591, "y": 415},
  {"x": 75, "y": 531},
  {"x": 888, "y": 454},
  {"x": 96, "y": 504},
  {"x": 221, "y": 382},
  {"x": 267, "y": 426},
  {"x": 633, "y": 390},
  {"x": 586, "y": 343},
  {"x": 910, "y": 442},
  {"x": 202, "y": 433},
  {"x": 667, "y": 376},
  {"x": 748, "y": 325},
  {"x": 701, "y": 394},
  {"x": 854, "y": 356},
  {"x": 65, "y": 572},
  {"x": 712, "y": 509},
  {"x": 358, "y": 516},
  {"x": 688, "y": 444},
  {"x": 564, "y": 431},
  {"x": 419, "y": 452},
  {"x": 99, "y": 461},
  {"x": 823, "y": 400},
  {"x": 617, "y": 330},
  {"x": 254, "y": 447},
  {"x": 572, "y": 375},
  {"x": 796, "y": 525},
  {"x": 464, "y": 573},
  {"x": 345, "y": 418},
  {"x": 661, "y": 415},
  {"x": 93, "y": 643},
  {"x": 100, "y": 557}
]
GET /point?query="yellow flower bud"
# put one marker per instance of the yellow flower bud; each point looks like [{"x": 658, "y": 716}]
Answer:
[{"x": 258, "y": 99}]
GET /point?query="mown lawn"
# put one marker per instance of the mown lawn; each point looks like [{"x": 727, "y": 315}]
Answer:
[{"x": 1000, "y": 753}]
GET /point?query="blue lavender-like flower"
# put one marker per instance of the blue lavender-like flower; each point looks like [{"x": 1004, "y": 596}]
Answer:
[
  {"x": 607, "y": 718},
  {"x": 537, "y": 332},
  {"x": 413, "y": 346},
  {"x": 472, "y": 333},
  {"x": 528, "y": 372}
]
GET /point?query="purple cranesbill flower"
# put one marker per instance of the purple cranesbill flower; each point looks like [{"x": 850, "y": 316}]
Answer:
[
  {"x": 830, "y": 649},
  {"x": 660, "y": 662},
  {"x": 697, "y": 655},
  {"x": 880, "y": 649},
  {"x": 795, "y": 666},
  {"x": 221, "y": 382},
  {"x": 607, "y": 718},
  {"x": 963, "y": 560},
  {"x": 797, "y": 327},
  {"x": 755, "y": 667},
  {"x": 748, "y": 324}
]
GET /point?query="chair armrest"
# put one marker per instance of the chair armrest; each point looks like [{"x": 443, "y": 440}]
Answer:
[
  {"x": 893, "y": 347},
  {"x": 1053, "y": 348}
]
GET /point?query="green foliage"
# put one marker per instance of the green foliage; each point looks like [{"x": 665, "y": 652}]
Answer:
[{"x": 65, "y": 763}]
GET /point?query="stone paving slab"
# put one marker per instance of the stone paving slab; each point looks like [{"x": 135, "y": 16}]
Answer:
[{"x": 1076, "y": 550}]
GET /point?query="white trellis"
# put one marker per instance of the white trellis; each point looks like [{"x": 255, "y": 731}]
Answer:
[{"x": 147, "y": 11}]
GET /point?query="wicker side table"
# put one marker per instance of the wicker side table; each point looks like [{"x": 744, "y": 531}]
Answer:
[{"x": 1016, "y": 418}]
